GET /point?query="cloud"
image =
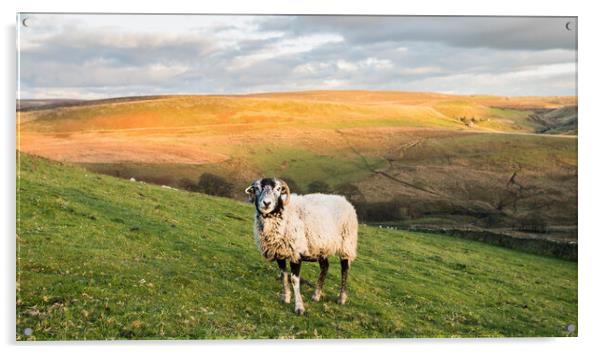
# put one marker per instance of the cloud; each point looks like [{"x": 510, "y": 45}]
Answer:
[
  {"x": 487, "y": 32},
  {"x": 558, "y": 77},
  {"x": 285, "y": 47},
  {"x": 95, "y": 56}
]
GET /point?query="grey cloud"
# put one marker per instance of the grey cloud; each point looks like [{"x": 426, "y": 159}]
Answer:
[
  {"x": 79, "y": 46},
  {"x": 532, "y": 33},
  {"x": 462, "y": 55}
]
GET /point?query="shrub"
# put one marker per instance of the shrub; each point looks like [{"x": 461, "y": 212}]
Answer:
[
  {"x": 351, "y": 192},
  {"x": 212, "y": 184},
  {"x": 188, "y": 184},
  {"x": 318, "y": 187},
  {"x": 391, "y": 210}
]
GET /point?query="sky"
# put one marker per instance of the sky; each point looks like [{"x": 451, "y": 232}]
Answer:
[{"x": 85, "y": 56}]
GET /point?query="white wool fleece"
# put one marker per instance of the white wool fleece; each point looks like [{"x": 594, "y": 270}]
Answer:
[{"x": 309, "y": 226}]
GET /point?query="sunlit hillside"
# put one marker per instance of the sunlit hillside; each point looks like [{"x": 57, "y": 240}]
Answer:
[{"x": 435, "y": 158}]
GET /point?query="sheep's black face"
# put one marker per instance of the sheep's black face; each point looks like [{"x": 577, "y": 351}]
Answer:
[{"x": 270, "y": 195}]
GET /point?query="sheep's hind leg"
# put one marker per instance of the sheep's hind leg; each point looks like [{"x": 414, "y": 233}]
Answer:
[
  {"x": 286, "y": 294},
  {"x": 296, "y": 280},
  {"x": 320, "y": 283},
  {"x": 344, "y": 270}
]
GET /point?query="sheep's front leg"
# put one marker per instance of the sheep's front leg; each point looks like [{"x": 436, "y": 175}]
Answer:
[
  {"x": 344, "y": 271},
  {"x": 296, "y": 280},
  {"x": 321, "y": 277},
  {"x": 286, "y": 294}
]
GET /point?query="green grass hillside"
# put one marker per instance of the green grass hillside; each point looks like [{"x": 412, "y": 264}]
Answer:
[{"x": 99, "y": 257}]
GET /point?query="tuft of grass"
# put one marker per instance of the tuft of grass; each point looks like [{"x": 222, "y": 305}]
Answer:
[{"x": 103, "y": 258}]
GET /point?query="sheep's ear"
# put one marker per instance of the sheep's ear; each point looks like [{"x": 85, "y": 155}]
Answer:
[
  {"x": 285, "y": 191},
  {"x": 250, "y": 193}
]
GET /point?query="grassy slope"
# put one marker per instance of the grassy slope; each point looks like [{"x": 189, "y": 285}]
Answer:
[
  {"x": 101, "y": 258},
  {"x": 326, "y": 109},
  {"x": 195, "y": 111}
]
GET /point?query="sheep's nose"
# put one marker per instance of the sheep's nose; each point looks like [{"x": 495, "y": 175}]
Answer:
[{"x": 266, "y": 203}]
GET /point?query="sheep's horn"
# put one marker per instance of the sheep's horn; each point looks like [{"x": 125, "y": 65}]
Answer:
[
  {"x": 250, "y": 193},
  {"x": 287, "y": 191}
]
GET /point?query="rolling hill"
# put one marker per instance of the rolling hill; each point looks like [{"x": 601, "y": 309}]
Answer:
[
  {"x": 405, "y": 157},
  {"x": 105, "y": 258}
]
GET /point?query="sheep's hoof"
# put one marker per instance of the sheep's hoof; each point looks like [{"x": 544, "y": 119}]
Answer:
[
  {"x": 299, "y": 311},
  {"x": 316, "y": 297},
  {"x": 342, "y": 299},
  {"x": 286, "y": 299}
]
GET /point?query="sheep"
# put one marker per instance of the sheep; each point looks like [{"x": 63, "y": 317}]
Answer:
[{"x": 299, "y": 228}]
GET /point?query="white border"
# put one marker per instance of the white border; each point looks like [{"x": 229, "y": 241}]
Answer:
[{"x": 589, "y": 172}]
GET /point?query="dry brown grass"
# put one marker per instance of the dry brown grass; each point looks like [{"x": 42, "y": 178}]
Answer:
[
  {"x": 202, "y": 129},
  {"x": 117, "y": 147},
  {"x": 423, "y": 98}
]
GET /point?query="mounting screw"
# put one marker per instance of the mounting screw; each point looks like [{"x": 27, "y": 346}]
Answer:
[{"x": 570, "y": 328}]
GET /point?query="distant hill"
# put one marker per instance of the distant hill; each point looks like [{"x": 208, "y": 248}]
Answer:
[
  {"x": 30, "y": 104},
  {"x": 557, "y": 121},
  {"x": 414, "y": 158},
  {"x": 104, "y": 258},
  {"x": 25, "y": 105}
]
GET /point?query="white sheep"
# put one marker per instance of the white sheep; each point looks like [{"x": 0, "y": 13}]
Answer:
[{"x": 300, "y": 228}]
